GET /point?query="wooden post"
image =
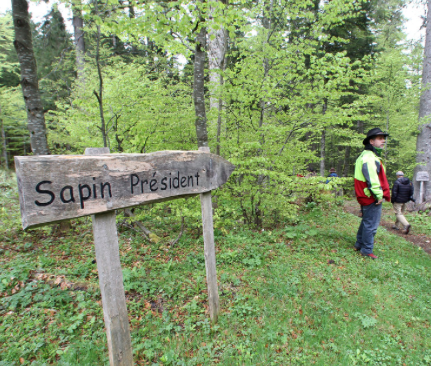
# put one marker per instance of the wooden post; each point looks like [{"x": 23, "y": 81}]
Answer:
[
  {"x": 209, "y": 250},
  {"x": 421, "y": 192},
  {"x": 57, "y": 188},
  {"x": 111, "y": 283}
]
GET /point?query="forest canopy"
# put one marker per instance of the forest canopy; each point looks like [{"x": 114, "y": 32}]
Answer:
[{"x": 280, "y": 88}]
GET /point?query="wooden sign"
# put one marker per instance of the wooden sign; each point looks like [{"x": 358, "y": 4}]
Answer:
[
  {"x": 422, "y": 176},
  {"x": 55, "y": 188}
]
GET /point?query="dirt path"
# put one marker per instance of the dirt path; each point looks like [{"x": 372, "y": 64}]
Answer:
[{"x": 420, "y": 240}]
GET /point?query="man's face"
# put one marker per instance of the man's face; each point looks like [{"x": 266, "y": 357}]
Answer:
[{"x": 378, "y": 141}]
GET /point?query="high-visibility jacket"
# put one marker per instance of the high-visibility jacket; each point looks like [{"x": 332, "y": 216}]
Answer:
[{"x": 371, "y": 184}]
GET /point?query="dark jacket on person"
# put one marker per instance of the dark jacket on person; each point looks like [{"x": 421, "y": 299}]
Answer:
[
  {"x": 332, "y": 175},
  {"x": 402, "y": 191}
]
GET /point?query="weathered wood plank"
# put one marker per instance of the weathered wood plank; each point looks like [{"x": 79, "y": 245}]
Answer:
[
  {"x": 209, "y": 252},
  {"x": 55, "y": 188},
  {"x": 111, "y": 285},
  {"x": 210, "y": 257}
]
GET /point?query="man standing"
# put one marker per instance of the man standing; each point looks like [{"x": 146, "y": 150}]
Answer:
[
  {"x": 371, "y": 187},
  {"x": 402, "y": 192}
]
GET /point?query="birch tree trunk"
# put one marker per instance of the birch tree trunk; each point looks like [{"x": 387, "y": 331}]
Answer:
[
  {"x": 423, "y": 143},
  {"x": 78, "y": 32},
  {"x": 29, "y": 81}
]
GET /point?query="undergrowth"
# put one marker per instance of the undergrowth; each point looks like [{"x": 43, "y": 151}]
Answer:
[{"x": 295, "y": 294}]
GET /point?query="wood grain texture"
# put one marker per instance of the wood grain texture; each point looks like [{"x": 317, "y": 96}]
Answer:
[
  {"x": 210, "y": 257},
  {"x": 111, "y": 286},
  {"x": 55, "y": 188},
  {"x": 209, "y": 251}
]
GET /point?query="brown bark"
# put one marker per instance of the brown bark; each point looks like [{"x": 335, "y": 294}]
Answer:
[
  {"x": 423, "y": 144},
  {"x": 29, "y": 81}
]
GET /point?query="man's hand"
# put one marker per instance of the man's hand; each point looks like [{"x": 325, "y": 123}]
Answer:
[{"x": 379, "y": 202}]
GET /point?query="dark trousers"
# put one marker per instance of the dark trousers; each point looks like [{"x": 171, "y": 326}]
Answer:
[{"x": 368, "y": 228}]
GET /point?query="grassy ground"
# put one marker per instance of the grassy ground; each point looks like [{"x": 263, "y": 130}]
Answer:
[
  {"x": 420, "y": 221},
  {"x": 293, "y": 295}
]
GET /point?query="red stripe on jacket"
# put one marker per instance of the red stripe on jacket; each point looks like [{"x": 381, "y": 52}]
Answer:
[{"x": 363, "y": 199}]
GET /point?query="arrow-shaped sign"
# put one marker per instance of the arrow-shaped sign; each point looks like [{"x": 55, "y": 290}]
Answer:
[{"x": 55, "y": 188}]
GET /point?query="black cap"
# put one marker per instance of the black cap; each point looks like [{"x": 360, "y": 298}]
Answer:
[{"x": 372, "y": 133}]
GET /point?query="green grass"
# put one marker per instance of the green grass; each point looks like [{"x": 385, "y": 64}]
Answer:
[
  {"x": 291, "y": 295},
  {"x": 420, "y": 221}
]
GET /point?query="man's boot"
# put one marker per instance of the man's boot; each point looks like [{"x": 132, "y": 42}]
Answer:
[{"x": 407, "y": 230}]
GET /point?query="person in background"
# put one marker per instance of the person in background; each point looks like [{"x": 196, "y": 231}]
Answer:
[
  {"x": 371, "y": 187},
  {"x": 332, "y": 174},
  {"x": 402, "y": 192},
  {"x": 311, "y": 173}
]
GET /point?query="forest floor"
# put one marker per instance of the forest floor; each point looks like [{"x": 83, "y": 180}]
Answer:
[
  {"x": 294, "y": 293},
  {"x": 420, "y": 233}
]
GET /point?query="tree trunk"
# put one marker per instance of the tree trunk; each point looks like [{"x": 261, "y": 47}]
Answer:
[
  {"x": 131, "y": 10},
  {"x": 206, "y": 201},
  {"x": 360, "y": 126},
  {"x": 346, "y": 161},
  {"x": 423, "y": 144},
  {"x": 217, "y": 46},
  {"x": 220, "y": 106},
  {"x": 99, "y": 95},
  {"x": 217, "y": 43},
  {"x": 323, "y": 142},
  {"x": 4, "y": 145},
  {"x": 266, "y": 22},
  {"x": 387, "y": 131},
  {"x": 78, "y": 31},
  {"x": 322, "y": 152},
  {"x": 199, "y": 89},
  {"x": 29, "y": 81}
]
